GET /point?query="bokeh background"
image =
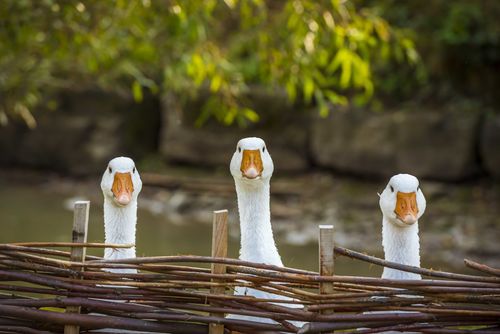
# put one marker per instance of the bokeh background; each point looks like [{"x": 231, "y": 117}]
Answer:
[{"x": 345, "y": 93}]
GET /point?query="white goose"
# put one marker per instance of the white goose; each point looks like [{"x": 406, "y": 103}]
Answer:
[
  {"x": 402, "y": 204},
  {"x": 121, "y": 185},
  {"x": 252, "y": 168}
]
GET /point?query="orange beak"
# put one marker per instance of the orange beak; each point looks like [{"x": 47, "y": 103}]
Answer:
[
  {"x": 122, "y": 188},
  {"x": 251, "y": 164},
  {"x": 406, "y": 207}
]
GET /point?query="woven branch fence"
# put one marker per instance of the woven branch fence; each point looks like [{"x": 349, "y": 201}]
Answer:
[{"x": 47, "y": 290}]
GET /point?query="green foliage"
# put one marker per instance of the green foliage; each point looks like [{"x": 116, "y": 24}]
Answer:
[
  {"x": 459, "y": 42},
  {"x": 321, "y": 52},
  {"x": 458, "y": 27}
]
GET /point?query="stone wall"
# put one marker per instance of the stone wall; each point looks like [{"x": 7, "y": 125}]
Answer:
[
  {"x": 283, "y": 127},
  {"x": 489, "y": 150},
  {"x": 436, "y": 144},
  {"x": 88, "y": 129},
  {"x": 451, "y": 143}
]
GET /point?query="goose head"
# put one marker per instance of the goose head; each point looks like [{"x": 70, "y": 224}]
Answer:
[
  {"x": 251, "y": 161},
  {"x": 121, "y": 183},
  {"x": 402, "y": 202}
]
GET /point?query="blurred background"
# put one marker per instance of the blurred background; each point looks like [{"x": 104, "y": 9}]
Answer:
[{"x": 345, "y": 94}]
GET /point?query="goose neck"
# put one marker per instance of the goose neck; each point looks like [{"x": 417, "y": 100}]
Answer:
[
  {"x": 401, "y": 245},
  {"x": 257, "y": 240},
  {"x": 120, "y": 228}
]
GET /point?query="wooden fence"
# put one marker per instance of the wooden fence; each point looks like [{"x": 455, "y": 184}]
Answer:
[{"x": 47, "y": 290}]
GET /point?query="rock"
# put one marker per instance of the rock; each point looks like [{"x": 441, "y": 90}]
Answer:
[
  {"x": 282, "y": 127},
  {"x": 56, "y": 143},
  {"x": 355, "y": 141},
  {"x": 490, "y": 145},
  {"x": 436, "y": 144},
  {"x": 88, "y": 129},
  {"x": 439, "y": 144}
]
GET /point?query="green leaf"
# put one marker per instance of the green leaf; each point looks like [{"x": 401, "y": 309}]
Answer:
[
  {"x": 308, "y": 88},
  {"x": 336, "y": 61},
  {"x": 360, "y": 100},
  {"x": 230, "y": 114},
  {"x": 137, "y": 91},
  {"x": 215, "y": 83},
  {"x": 323, "y": 110},
  {"x": 335, "y": 98},
  {"x": 322, "y": 105},
  {"x": 251, "y": 115},
  {"x": 291, "y": 90},
  {"x": 368, "y": 86},
  {"x": 345, "y": 76}
]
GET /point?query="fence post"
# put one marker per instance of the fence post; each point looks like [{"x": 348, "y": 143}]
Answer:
[
  {"x": 219, "y": 249},
  {"x": 80, "y": 227},
  {"x": 326, "y": 260}
]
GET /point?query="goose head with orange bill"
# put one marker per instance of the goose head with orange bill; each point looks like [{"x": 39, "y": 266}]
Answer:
[
  {"x": 251, "y": 161},
  {"x": 121, "y": 183},
  {"x": 402, "y": 201}
]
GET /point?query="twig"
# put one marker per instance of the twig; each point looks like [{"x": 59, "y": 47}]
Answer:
[
  {"x": 71, "y": 244},
  {"x": 482, "y": 267}
]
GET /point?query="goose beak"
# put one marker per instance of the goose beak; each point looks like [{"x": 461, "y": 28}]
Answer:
[
  {"x": 122, "y": 188},
  {"x": 251, "y": 164},
  {"x": 406, "y": 207}
]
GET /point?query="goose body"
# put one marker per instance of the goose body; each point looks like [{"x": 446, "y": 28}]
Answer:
[
  {"x": 402, "y": 204},
  {"x": 121, "y": 185}
]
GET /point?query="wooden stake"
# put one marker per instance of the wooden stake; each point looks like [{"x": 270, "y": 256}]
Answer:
[
  {"x": 80, "y": 228},
  {"x": 326, "y": 261},
  {"x": 219, "y": 249}
]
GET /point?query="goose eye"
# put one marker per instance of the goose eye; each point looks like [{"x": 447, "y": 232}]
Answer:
[
  {"x": 418, "y": 188},
  {"x": 263, "y": 149},
  {"x": 239, "y": 149},
  {"x": 392, "y": 189},
  {"x": 133, "y": 170},
  {"x": 110, "y": 170}
]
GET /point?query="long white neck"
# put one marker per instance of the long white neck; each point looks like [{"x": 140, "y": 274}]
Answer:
[
  {"x": 257, "y": 241},
  {"x": 401, "y": 245},
  {"x": 119, "y": 228}
]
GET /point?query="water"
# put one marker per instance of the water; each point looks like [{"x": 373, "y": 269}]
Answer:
[
  {"x": 30, "y": 213},
  {"x": 170, "y": 224}
]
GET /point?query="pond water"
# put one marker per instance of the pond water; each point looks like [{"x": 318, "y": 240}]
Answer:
[
  {"x": 36, "y": 211},
  {"x": 37, "y": 214}
]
